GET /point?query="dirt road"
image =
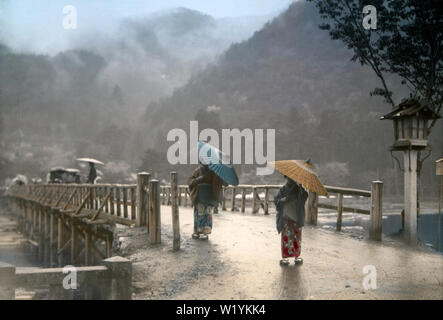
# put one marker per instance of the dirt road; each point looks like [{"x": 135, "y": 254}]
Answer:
[{"x": 241, "y": 261}]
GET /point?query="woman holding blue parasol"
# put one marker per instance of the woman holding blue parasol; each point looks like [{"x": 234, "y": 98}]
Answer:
[{"x": 205, "y": 185}]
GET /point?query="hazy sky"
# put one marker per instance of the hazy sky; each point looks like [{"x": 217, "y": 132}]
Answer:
[{"x": 37, "y": 24}]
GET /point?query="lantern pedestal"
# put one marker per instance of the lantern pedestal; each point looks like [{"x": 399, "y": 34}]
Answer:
[
  {"x": 411, "y": 130},
  {"x": 410, "y": 196}
]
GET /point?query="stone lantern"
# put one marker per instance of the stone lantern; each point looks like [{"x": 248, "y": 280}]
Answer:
[{"x": 411, "y": 122}]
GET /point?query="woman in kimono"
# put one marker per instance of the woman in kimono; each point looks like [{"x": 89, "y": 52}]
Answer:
[
  {"x": 290, "y": 204},
  {"x": 204, "y": 202}
]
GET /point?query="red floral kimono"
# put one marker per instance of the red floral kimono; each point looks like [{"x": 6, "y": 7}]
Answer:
[
  {"x": 290, "y": 240},
  {"x": 290, "y": 217}
]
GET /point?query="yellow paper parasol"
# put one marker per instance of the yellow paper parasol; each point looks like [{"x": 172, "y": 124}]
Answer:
[{"x": 302, "y": 172}]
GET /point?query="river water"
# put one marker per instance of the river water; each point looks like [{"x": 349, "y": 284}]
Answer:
[
  {"x": 14, "y": 247},
  {"x": 358, "y": 226}
]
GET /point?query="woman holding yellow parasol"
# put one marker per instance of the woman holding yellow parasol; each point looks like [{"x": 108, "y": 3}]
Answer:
[{"x": 290, "y": 203}]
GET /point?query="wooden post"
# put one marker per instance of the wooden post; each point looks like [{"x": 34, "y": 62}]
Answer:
[
  {"x": 169, "y": 196},
  {"x": 312, "y": 208},
  {"x": 28, "y": 218},
  {"x": 375, "y": 229},
  {"x": 112, "y": 201},
  {"x": 175, "y": 214},
  {"x": 41, "y": 249},
  {"x": 255, "y": 206},
  {"x": 142, "y": 199},
  {"x": 339, "y": 211},
  {"x": 233, "y": 199},
  {"x": 118, "y": 200},
  {"x": 133, "y": 205},
  {"x": 266, "y": 206},
  {"x": 46, "y": 239},
  {"x": 125, "y": 202},
  {"x": 403, "y": 220},
  {"x": 243, "y": 199},
  {"x": 59, "y": 241},
  {"x": 154, "y": 222},
  {"x": 224, "y": 199},
  {"x": 410, "y": 195}
]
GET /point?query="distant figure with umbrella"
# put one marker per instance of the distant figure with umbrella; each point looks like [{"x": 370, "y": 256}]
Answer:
[
  {"x": 290, "y": 203},
  {"x": 92, "y": 171},
  {"x": 205, "y": 186}
]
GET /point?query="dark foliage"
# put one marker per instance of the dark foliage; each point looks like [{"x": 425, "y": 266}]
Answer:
[{"x": 407, "y": 41}]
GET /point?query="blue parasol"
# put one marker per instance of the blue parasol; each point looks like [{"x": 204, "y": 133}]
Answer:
[{"x": 217, "y": 162}]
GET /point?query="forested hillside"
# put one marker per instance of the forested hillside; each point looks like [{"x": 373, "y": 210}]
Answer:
[{"x": 290, "y": 76}]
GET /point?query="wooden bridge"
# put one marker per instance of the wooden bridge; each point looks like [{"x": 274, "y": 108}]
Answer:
[{"x": 72, "y": 223}]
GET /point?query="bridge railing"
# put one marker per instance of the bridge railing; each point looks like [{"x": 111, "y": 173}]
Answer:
[
  {"x": 114, "y": 202},
  {"x": 261, "y": 196},
  {"x": 138, "y": 204},
  {"x": 71, "y": 222}
]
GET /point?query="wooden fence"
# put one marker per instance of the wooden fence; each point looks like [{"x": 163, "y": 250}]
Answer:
[{"x": 236, "y": 199}]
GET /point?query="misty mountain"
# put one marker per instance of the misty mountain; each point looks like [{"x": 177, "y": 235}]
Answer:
[
  {"x": 148, "y": 57},
  {"x": 85, "y": 100},
  {"x": 290, "y": 76}
]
